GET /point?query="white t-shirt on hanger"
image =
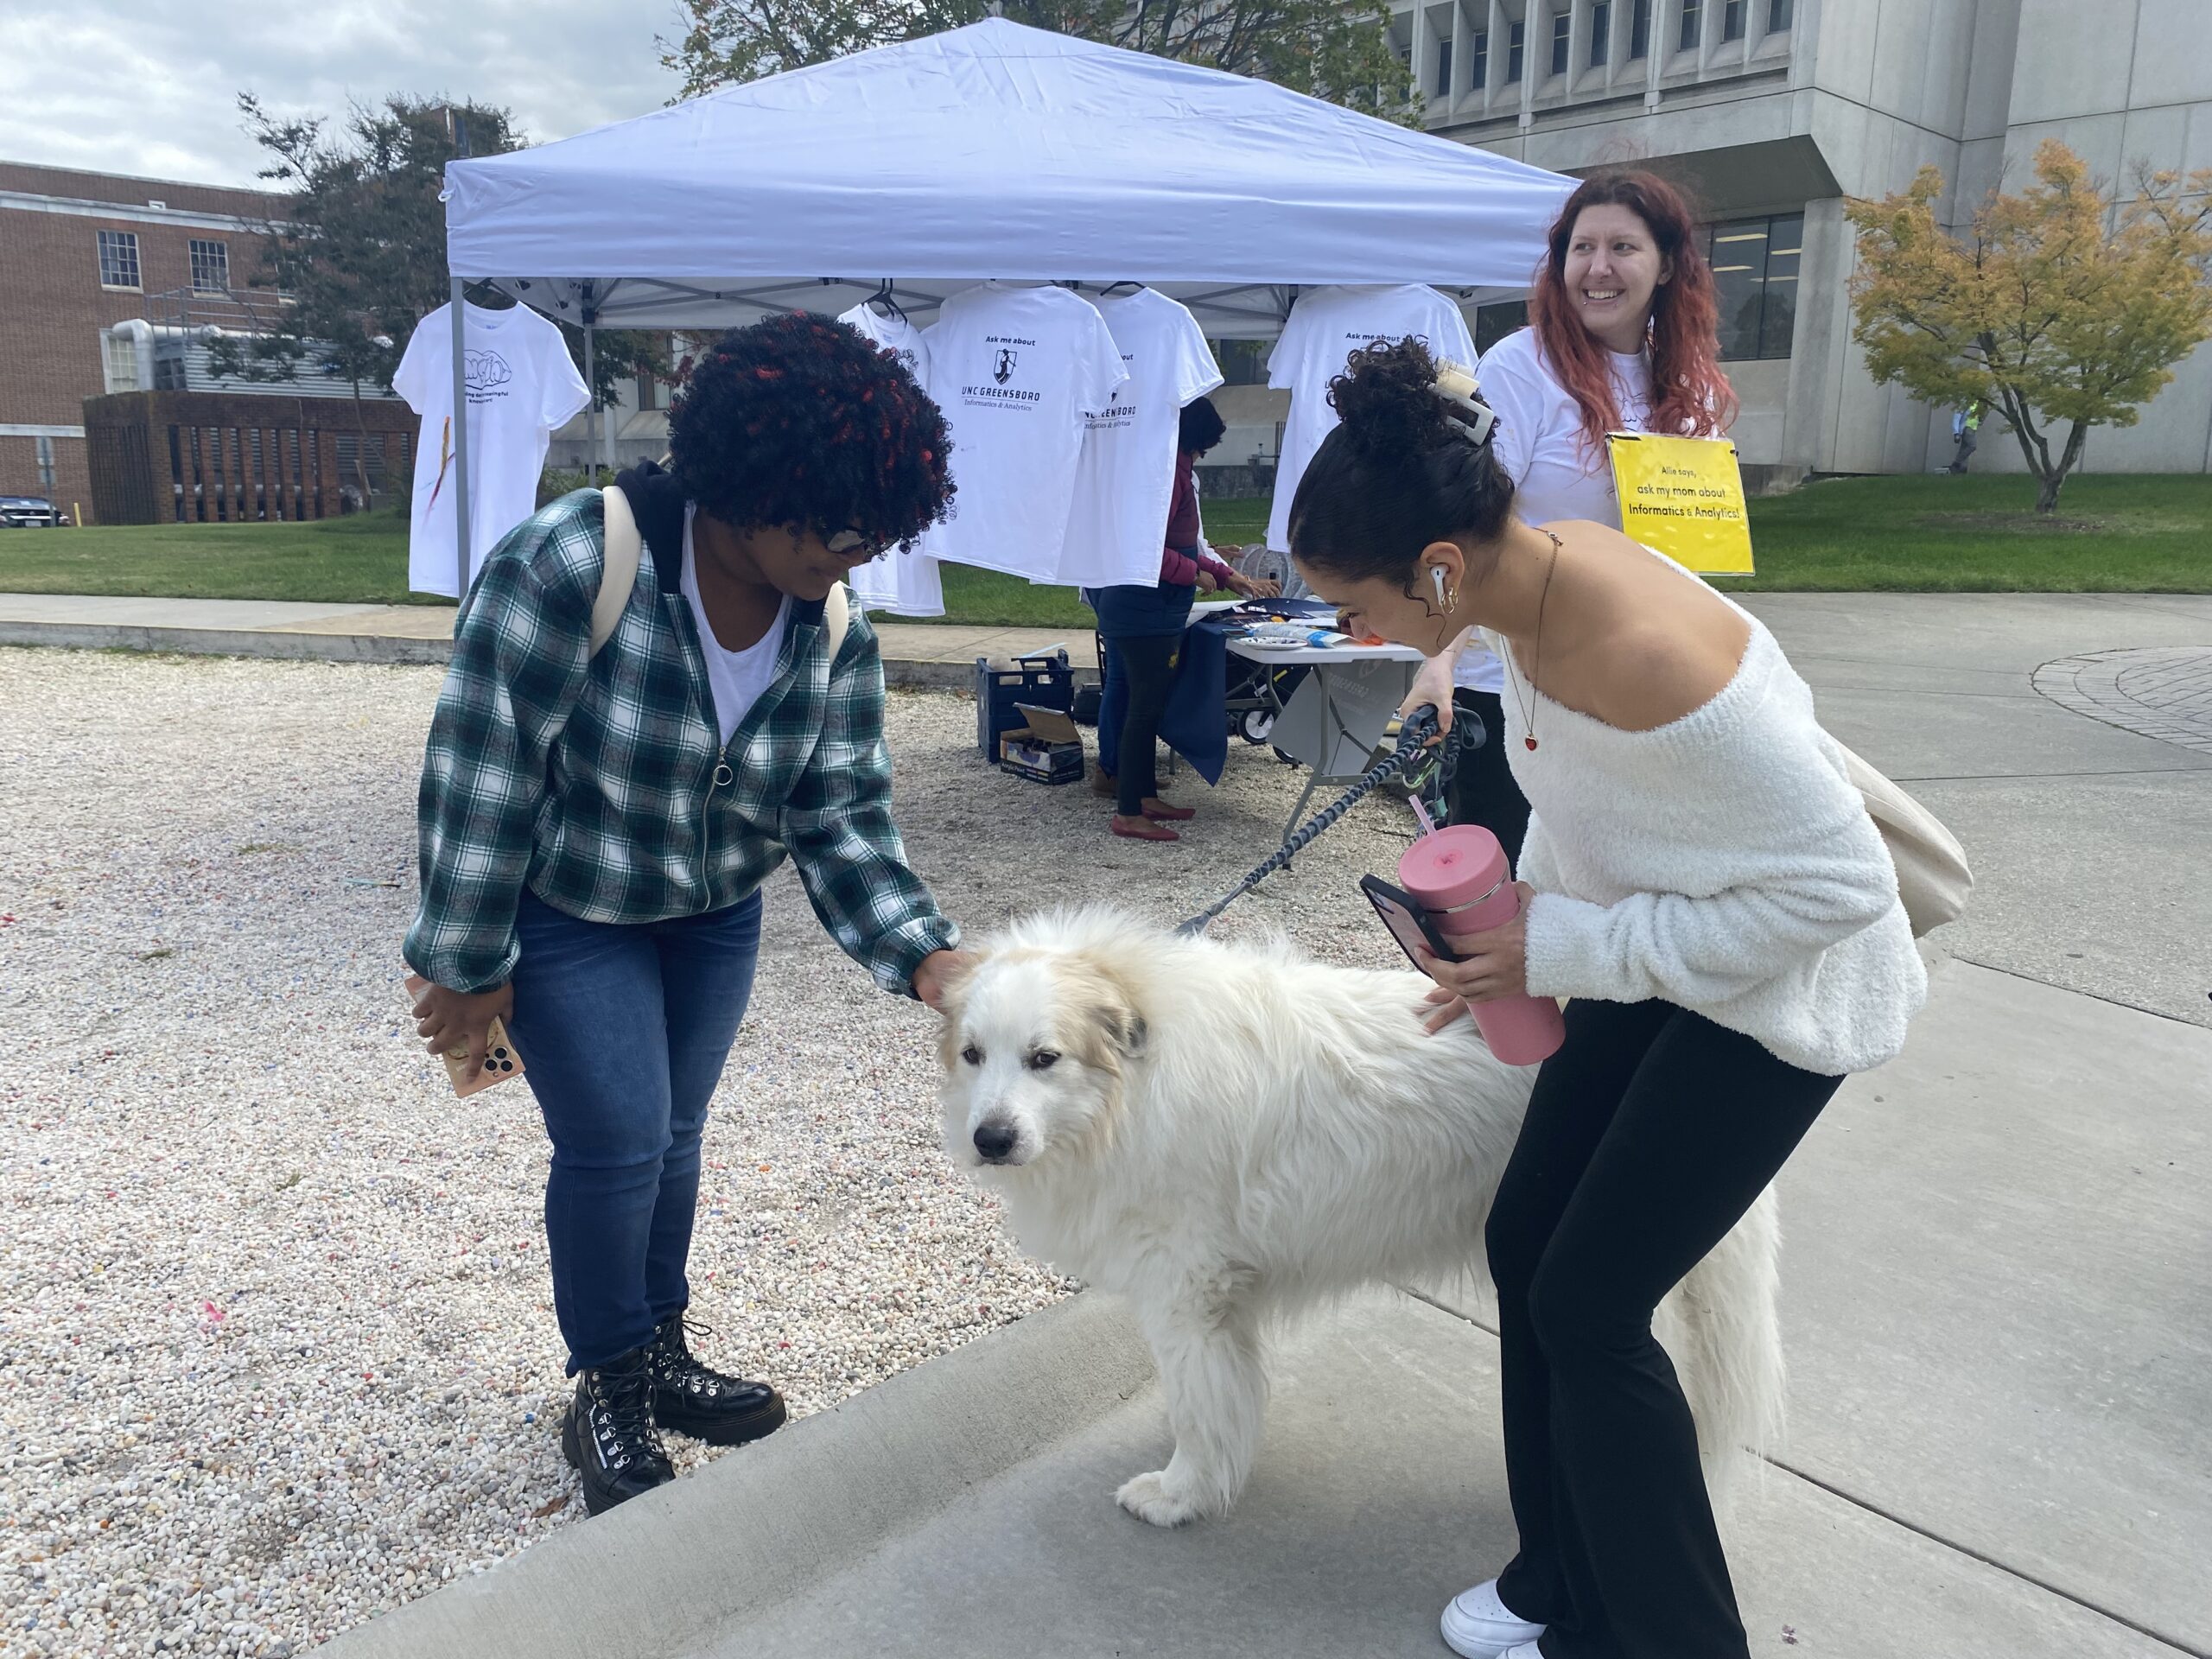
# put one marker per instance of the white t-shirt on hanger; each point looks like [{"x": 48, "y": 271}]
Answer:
[
  {"x": 1539, "y": 444},
  {"x": 522, "y": 385},
  {"x": 1125, "y": 478},
  {"x": 895, "y": 334},
  {"x": 736, "y": 678},
  {"x": 1325, "y": 327},
  {"x": 1014, "y": 369},
  {"x": 904, "y": 582}
]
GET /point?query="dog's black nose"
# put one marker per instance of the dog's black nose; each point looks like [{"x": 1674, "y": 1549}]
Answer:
[{"x": 995, "y": 1140}]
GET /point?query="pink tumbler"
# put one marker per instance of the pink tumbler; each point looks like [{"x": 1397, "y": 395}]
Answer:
[{"x": 1460, "y": 878}]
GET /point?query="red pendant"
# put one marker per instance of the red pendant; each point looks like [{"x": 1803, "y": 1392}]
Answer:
[{"x": 1530, "y": 741}]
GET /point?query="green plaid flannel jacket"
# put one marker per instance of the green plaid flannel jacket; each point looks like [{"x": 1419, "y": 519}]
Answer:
[{"x": 591, "y": 780}]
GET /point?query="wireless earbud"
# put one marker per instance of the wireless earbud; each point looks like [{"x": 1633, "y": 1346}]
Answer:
[{"x": 1437, "y": 571}]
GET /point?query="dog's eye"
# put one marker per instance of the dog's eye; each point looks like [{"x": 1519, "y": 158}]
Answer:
[
  {"x": 1043, "y": 1060},
  {"x": 972, "y": 1054}
]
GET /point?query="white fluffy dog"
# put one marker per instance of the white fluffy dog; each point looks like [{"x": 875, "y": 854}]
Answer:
[{"x": 1228, "y": 1134}]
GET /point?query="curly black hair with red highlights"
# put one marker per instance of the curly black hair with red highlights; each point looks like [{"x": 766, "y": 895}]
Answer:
[{"x": 797, "y": 420}]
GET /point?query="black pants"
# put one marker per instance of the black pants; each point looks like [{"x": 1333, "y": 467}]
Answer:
[
  {"x": 1482, "y": 788},
  {"x": 1146, "y": 664},
  {"x": 1648, "y": 1135}
]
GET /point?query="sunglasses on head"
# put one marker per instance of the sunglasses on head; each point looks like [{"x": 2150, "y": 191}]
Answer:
[{"x": 845, "y": 543}]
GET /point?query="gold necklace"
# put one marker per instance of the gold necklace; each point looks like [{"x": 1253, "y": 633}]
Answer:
[{"x": 1528, "y": 714}]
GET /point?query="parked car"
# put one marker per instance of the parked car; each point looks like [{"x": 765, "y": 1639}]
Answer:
[{"x": 29, "y": 513}]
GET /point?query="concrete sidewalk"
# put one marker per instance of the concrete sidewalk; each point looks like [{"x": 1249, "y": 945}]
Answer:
[
  {"x": 1996, "y": 1301},
  {"x": 914, "y": 654}
]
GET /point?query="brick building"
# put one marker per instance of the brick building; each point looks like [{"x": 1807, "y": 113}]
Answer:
[{"x": 79, "y": 252}]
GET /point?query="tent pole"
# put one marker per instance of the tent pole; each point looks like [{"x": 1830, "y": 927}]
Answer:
[
  {"x": 591, "y": 408},
  {"x": 459, "y": 307}
]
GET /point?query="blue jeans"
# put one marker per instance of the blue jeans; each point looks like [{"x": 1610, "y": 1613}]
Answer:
[{"x": 623, "y": 1031}]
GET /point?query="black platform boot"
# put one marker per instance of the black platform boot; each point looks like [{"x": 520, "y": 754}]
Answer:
[
  {"x": 706, "y": 1404},
  {"x": 608, "y": 1435}
]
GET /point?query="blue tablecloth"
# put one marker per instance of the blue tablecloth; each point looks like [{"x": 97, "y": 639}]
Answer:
[{"x": 1196, "y": 722}]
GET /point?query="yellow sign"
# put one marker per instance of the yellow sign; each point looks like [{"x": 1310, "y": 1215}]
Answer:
[{"x": 1684, "y": 496}]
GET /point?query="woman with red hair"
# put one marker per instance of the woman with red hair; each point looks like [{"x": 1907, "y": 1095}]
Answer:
[{"x": 1621, "y": 339}]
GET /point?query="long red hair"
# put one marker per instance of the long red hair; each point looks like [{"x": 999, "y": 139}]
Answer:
[{"x": 1690, "y": 394}]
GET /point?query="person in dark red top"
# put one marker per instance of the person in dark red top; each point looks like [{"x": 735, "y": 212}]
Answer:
[{"x": 1143, "y": 630}]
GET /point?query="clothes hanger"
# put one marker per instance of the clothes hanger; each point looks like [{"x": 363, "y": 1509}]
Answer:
[
  {"x": 886, "y": 297},
  {"x": 483, "y": 287},
  {"x": 1106, "y": 292}
]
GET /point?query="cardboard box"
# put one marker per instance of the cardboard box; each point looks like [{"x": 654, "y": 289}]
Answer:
[{"x": 1047, "y": 750}]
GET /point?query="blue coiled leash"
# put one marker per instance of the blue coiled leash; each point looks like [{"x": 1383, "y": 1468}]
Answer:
[{"x": 1415, "y": 733}]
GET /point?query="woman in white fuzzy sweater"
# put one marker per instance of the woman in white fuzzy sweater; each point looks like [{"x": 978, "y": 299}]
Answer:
[{"x": 1702, "y": 881}]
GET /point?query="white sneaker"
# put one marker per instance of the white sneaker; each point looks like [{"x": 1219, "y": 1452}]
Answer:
[{"x": 1477, "y": 1625}]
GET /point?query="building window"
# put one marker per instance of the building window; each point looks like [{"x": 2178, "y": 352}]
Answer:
[
  {"x": 119, "y": 361},
  {"x": 1778, "y": 16},
  {"x": 1444, "y": 68},
  {"x": 1732, "y": 20},
  {"x": 1494, "y": 322},
  {"x": 211, "y": 267},
  {"x": 1601, "y": 30},
  {"x": 1479, "y": 60},
  {"x": 1639, "y": 30},
  {"x": 46, "y": 465},
  {"x": 1562, "y": 40},
  {"x": 648, "y": 392},
  {"x": 1755, "y": 276},
  {"x": 118, "y": 258},
  {"x": 1693, "y": 23},
  {"x": 1241, "y": 362},
  {"x": 1516, "y": 36}
]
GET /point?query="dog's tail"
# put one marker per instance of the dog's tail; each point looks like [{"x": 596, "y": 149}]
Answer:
[{"x": 1727, "y": 1346}]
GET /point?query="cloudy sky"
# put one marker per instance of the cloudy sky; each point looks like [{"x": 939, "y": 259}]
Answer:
[{"x": 130, "y": 87}]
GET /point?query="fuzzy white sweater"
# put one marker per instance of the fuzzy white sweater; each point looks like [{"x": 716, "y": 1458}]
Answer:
[{"x": 1723, "y": 862}]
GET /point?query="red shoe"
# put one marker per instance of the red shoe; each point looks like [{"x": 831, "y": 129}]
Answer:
[
  {"x": 1160, "y": 812},
  {"x": 1141, "y": 829}
]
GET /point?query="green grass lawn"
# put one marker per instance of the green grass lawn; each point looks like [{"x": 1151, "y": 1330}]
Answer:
[
  {"x": 359, "y": 559},
  {"x": 2115, "y": 533}
]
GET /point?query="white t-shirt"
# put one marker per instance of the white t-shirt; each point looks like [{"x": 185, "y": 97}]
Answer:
[
  {"x": 902, "y": 582},
  {"x": 1326, "y": 327},
  {"x": 1014, "y": 369},
  {"x": 736, "y": 678},
  {"x": 1539, "y": 444},
  {"x": 522, "y": 385},
  {"x": 1125, "y": 478},
  {"x": 897, "y": 336}
]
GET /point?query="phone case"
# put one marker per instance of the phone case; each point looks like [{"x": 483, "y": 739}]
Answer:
[
  {"x": 502, "y": 1060},
  {"x": 1408, "y": 923}
]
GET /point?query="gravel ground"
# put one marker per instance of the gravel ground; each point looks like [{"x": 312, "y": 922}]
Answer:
[{"x": 276, "y": 1346}]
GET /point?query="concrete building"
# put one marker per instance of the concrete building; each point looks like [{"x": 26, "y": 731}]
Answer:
[
  {"x": 81, "y": 253},
  {"x": 1774, "y": 110}
]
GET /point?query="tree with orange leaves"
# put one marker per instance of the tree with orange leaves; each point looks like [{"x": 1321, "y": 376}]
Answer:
[{"x": 2059, "y": 306}]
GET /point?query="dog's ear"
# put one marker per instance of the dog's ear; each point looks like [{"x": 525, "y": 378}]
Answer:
[{"x": 1104, "y": 1025}]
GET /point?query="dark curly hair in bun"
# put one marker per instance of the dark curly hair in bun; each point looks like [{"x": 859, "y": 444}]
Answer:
[
  {"x": 1396, "y": 476},
  {"x": 796, "y": 420}
]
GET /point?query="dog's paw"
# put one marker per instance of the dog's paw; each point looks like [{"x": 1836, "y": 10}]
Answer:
[{"x": 1147, "y": 1497}]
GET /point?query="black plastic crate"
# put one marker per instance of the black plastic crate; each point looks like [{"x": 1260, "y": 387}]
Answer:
[{"x": 1047, "y": 681}]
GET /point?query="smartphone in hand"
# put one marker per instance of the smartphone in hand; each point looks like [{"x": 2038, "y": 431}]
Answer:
[
  {"x": 1409, "y": 924},
  {"x": 501, "y": 1059}
]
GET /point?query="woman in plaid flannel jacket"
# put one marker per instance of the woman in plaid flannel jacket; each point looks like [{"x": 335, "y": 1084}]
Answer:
[{"x": 596, "y": 827}]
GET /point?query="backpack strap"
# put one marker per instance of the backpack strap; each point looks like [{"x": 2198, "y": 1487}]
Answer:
[
  {"x": 837, "y": 614},
  {"x": 617, "y": 572}
]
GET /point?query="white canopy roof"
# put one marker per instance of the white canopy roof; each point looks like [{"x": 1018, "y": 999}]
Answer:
[{"x": 989, "y": 152}]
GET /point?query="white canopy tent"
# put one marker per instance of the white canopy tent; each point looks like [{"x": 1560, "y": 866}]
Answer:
[{"x": 992, "y": 152}]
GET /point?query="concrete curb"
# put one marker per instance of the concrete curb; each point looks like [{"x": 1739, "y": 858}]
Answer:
[
  {"x": 901, "y": 673},
  {"x": 655, "y": 1578},
  {"x": 227, "y": 642}
]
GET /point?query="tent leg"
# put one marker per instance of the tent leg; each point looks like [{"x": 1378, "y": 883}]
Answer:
[
  {"x": 591, "y": 408},
  {"x": 459, "y": 307}
]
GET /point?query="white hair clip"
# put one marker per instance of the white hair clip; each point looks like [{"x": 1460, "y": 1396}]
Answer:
[{"x": 1466, "y": 413}]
